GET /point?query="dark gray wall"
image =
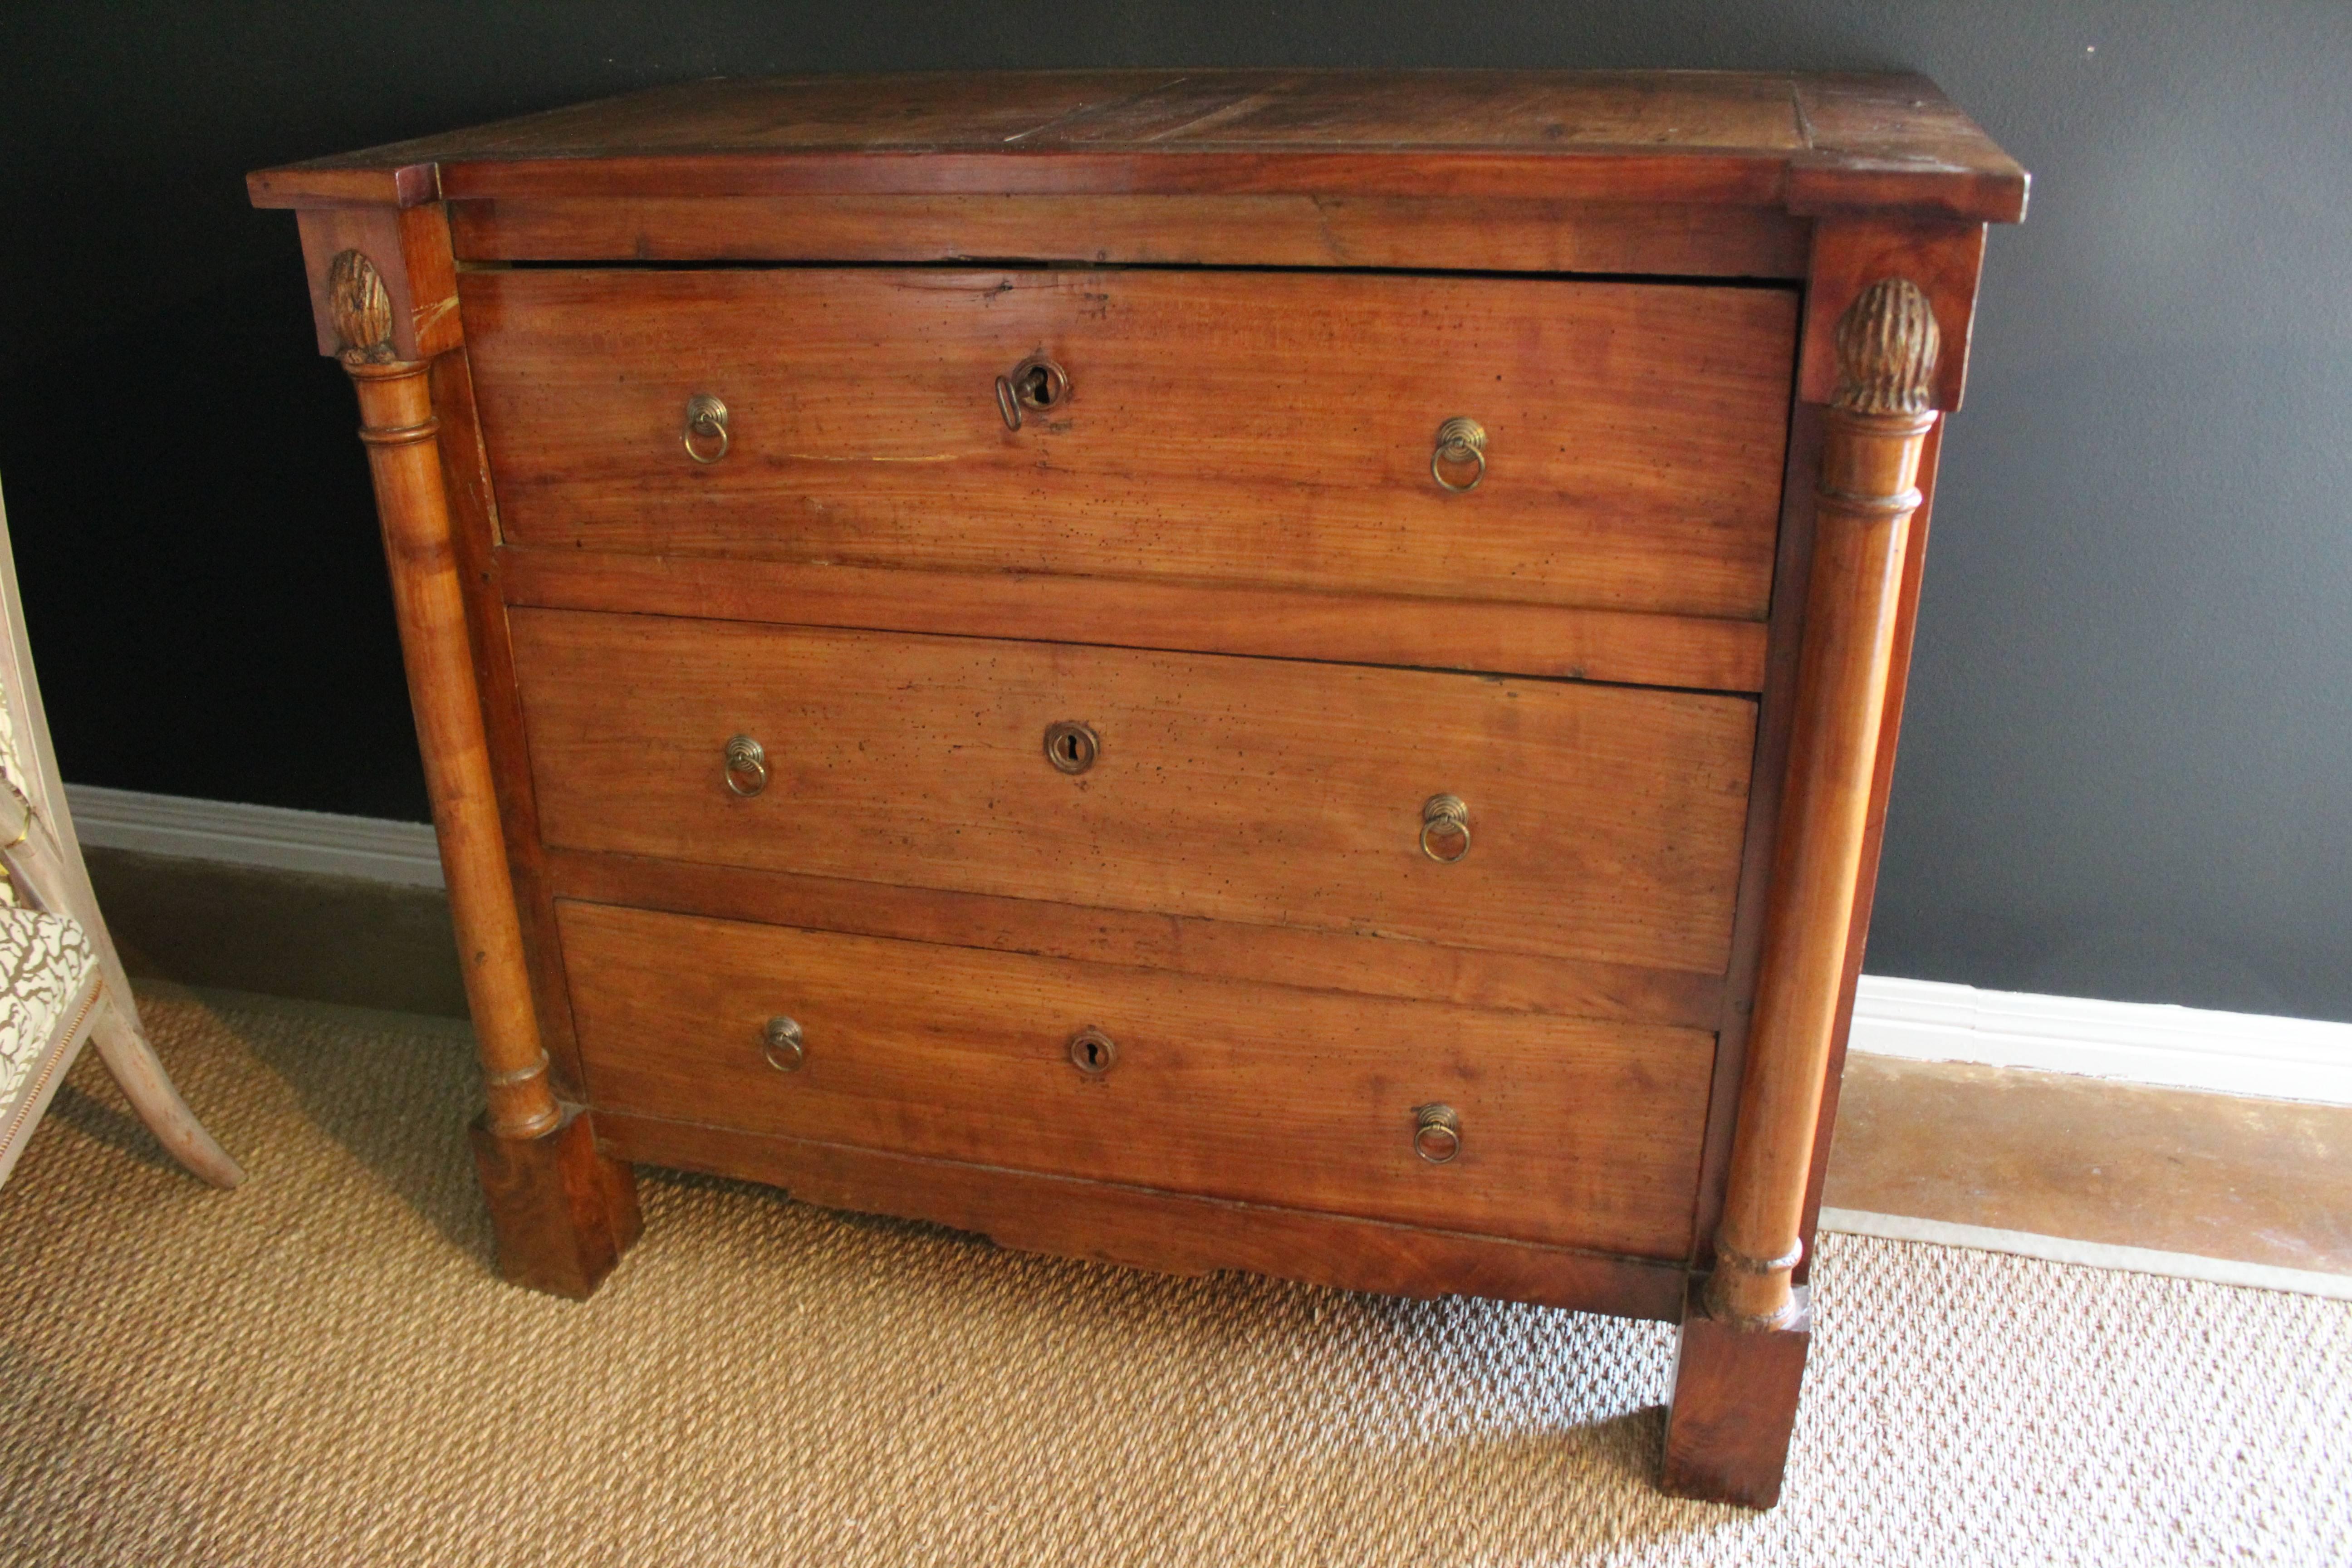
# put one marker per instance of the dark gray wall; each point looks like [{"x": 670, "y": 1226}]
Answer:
[{"x": 2128, "y": 766}]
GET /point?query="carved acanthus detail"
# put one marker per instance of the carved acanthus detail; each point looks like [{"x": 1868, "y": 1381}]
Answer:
[
  {"x": 1887, "y": 349},
  {"x": 361, "y": 309}
]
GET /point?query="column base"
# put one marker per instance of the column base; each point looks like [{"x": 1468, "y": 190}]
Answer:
[
  {"x": 1734, "y": 1407},
  {"x": 563, "y": 1212}
]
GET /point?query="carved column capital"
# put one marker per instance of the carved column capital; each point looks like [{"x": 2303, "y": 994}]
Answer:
[
  {"x": 361, "y": 309},
  {"x": 1888, "y": 345}
]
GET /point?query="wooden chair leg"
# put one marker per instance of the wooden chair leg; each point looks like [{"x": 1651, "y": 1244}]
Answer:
[
  {"x": 49, "y": 871},
  {"x": 120, "y": 1040}
]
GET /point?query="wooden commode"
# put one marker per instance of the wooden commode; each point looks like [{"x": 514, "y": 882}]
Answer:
[{"x": 1289, "y": 671}]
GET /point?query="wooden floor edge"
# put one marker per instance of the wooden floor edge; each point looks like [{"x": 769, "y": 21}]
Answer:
[
  {"x": 2088, "y": 1254},
  {"x": 1139, "y": 1227}
]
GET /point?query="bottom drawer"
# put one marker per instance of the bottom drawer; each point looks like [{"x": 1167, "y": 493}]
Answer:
[{"x": 1572, "y": 1131}]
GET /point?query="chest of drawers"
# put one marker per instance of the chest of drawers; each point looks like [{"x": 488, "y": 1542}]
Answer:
[{"x": 1292, "y": 671}]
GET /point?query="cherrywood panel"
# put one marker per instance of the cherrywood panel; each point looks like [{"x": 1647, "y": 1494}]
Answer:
[
  {"x": 1699, "y": 175},
  {"x": 397, "y": 423},
  {"x": 1734, "y": 1408},
  {"x": 1606, "y": 821},
  {"x": 1907, "y": 620},
  {"x": 1851, "y": 254},
  {"x": 1746, "y": 138},
  {"x": 1497, "y": 235},
  {"x": 563, "y": 1211},
  {"x": 1873, "y": 136},
  {"x": 1137, "y": 1228},
  {"x": 1573, "y": 1133},
  {"x": 938, "y": 112},
  {"x": 1550, "y": 640},
  {"x": 465, "y": 475},
  {"x": 1767, "y": 776},
  {"x": 1872, "y": 438},
  {"x": 1280, "y": 955},
  {"x": 1264, "y": 428},
  {"x": 411, "y": 252}
]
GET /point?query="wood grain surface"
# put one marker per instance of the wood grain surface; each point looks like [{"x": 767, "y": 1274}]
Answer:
[
  {"x": 1873, "y": 437},
  {"x": 1224, "y": 553},
  {"x": 473, "y": 537},
  {"x": 1492, "y": 636},
  {"x": 398, "y": 424},
  {"x": 1491, "y": 233},
  {"x": 1573, "y": 1133},
  {"x": 1816, "y": 142},
  {"x": 1734, "y": 1408},
  {"x": 1272, "y": 429},
  {"x": 1606, "y": 821},
  {"x": 1278, "y": 955},
  {"x": 1143, "y": 1227}
]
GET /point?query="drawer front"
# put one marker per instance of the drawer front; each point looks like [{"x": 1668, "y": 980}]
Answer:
[
  {"x": 1572, "y": 1132},
  {"x": 1268, "y": 427},
  {"x": 1605, "y": 822}
]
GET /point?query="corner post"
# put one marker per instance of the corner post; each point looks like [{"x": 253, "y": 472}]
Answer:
[
  {"x": 563, "y": 1213},
  {"x": 1744, "y": 1340}
]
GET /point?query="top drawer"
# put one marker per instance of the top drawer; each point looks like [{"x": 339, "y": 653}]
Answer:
[{"x": 1240, "y": 426}]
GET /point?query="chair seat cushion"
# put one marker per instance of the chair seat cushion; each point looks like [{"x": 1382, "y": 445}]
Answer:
[{"x": 45, "y": 961}]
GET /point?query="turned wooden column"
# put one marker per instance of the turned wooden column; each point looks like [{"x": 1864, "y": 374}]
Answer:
[
  {"x": 1872, "y": 437},
  {"x": 1743, "y": 1348},
  {"x": 562, "y": 1214}
]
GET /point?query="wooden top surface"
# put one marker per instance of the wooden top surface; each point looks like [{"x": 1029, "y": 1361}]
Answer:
[{"x": 1813, "y": 143}]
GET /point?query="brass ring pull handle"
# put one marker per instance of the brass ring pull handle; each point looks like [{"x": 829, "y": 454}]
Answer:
[
  {"x": 1444, "y": 817},
  {"x": 706, "y": 416},
  {"x": 1035, "y": 383},
  {"x": 780, "y": 1042},
  {"x": 1437, "y": 1133},
  {"x": 1459, "y": 441},
  {"x": 1092, "y": 1052},
  {"x": 747, "y": 765}
]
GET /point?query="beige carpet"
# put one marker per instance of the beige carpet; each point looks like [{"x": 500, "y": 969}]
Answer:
[{"x": 320, "y": 1369}]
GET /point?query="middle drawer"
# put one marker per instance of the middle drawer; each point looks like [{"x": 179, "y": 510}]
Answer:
[{"x": 1602, "y": 822}]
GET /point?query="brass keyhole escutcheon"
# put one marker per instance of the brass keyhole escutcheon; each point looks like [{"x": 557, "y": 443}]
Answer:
[
  {"x": 1071, "y": 746},
  {"x": 780, "y": 1042},
  {"x": 1037, "y": 383},
  {"x": 1437, "y": 1133},
  {"x": 1092, "y": 1052}
]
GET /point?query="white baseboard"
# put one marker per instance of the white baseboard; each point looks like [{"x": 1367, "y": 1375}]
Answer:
[
  {"x": 368, "y": 847},
  {"x": 1925, "y": 1020},
  {"x": 2178, "y": 1047}
]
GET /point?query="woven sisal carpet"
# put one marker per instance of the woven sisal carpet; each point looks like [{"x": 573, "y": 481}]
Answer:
[{"x": 320, "y": 1369}]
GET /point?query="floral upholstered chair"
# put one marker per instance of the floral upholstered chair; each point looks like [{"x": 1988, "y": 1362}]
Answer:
[{"x": 60, "y": 982}]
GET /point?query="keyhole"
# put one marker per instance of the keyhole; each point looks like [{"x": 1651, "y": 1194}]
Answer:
[
  {"x": 1035, "y": 383},
  {"x": 1092, "y": 1052},
  {"x": 1071, "y": 746}
]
